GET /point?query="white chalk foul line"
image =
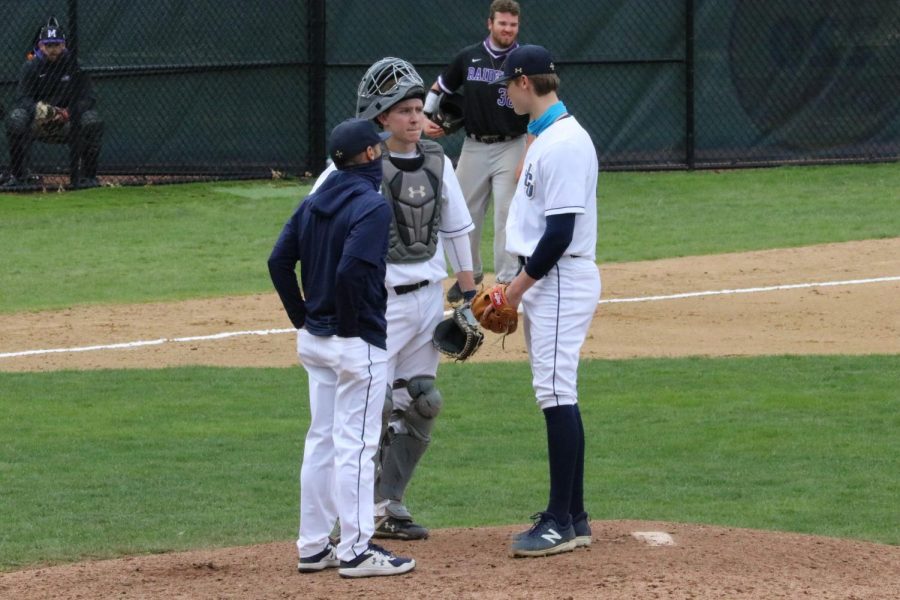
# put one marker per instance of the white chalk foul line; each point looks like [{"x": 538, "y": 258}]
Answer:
[
  {"x": 228, "y": 334},
  {"x": 140, "y": 343},
  {"x": 753, "y": 290}
]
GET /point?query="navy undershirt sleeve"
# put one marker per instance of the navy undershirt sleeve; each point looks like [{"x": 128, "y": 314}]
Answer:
[{"x": 550, "y": 248}]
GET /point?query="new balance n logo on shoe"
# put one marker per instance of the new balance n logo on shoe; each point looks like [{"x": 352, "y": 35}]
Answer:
[
  {"x": 552, "y": 536},
  {"x": 545, "y": 537}
]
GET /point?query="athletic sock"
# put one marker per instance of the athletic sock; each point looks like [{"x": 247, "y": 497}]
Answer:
[
  {"x": 562, "y": 450},
  {"x": 577, "y": 505}
]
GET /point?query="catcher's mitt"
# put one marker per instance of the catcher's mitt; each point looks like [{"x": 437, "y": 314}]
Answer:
[
  {"x": 503, "y": 318},
  {"x": 47, "y": 114},
  {"x": 458, "y": 335}
]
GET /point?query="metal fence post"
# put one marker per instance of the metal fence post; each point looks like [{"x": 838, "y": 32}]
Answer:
[
  {"x": 317, "y": 76},
  {"x": 72, "y": 39},
  {"x": 689, "y": 123}
]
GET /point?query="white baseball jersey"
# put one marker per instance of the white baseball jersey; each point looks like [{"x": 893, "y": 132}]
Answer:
[
  {"x": 455, "y": 221},
  {"x": 559, "y": 176}
]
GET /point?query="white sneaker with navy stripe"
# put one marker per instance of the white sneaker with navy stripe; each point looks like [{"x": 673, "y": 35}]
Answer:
[
  {"x": 375, "y": 562},
  {"x": 326, "y": 559}
]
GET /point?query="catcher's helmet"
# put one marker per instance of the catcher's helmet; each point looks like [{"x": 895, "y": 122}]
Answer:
[
  {"x": 387, "y": 82},
  {"x": 450, "y": 114}
]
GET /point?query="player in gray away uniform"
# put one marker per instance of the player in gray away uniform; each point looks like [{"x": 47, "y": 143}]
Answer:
[
  {"x": 430, "y": 219},
  {"x": 495, "y": 135}
]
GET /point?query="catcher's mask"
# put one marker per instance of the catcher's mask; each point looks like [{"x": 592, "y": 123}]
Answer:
[
  {"x": 450, "y": 114},
  {"x": 387, "y": 82}
]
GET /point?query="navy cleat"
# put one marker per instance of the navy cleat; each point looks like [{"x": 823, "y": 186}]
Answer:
[
  {"x": 582, "y": 527},
  {"x": 392, "y": 528},
  {"x": 546, "y": 537}
]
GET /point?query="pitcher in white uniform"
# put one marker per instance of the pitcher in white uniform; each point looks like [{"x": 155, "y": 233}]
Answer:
[
  {"x": 552, "y": 228},
  {"x": 430, "y": 219}
]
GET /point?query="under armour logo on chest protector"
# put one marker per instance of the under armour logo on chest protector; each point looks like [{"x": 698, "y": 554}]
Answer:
[
  {"x": 415, "y": 197},
  {"x": 415, "y": 208}
]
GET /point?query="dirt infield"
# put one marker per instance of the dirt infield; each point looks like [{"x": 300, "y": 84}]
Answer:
[
  {"x": 748, "y": 307},
  {"x": 844, "y": 319},
  {"x": 705, "y": 563}
]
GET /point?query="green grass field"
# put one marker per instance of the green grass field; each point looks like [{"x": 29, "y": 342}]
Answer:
[
  {"x": 201, "y": 240},
  {"x": 105, "y": 463}
]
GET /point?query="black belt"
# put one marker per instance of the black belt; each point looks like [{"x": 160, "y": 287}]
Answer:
[
  {"x": 523, "y": 260},
  {"x": 405, "y": 289},
  {"x": 491, "y": 139}
]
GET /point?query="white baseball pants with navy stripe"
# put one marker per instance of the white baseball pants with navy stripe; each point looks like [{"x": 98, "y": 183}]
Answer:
[
  {"x": 558, "y": 311},
  {"x": 347, "y": 379}
]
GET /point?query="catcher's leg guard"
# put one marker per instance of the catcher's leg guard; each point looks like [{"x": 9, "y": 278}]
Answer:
[
  {"x": 409, "y": 438},
  {"x": 385, "y": 439},
  {"x": 18, "y": 138},
  {"x": 89, "y": 142}
]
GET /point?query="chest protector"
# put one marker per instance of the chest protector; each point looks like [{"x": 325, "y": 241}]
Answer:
[{"x": 415, "y": 197}]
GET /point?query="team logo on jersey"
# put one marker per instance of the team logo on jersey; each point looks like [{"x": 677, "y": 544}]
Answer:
[
  {"x": 413, "y": 191},
  {"x": 484, "y": 74},
  {"x": 528, "y": 181}
]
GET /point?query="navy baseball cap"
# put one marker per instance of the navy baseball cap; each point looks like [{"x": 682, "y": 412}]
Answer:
[
  {"x": 52, "y": 32},
  {"x": 352, "y": 137},
  {"x": 526, "y": 60}
]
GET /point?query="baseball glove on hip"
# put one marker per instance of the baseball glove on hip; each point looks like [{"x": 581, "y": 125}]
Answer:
[
  {"x": 502, "y": 318},
  {"x": 47, "y": 114},
  {"x": 458, "y": 335}
]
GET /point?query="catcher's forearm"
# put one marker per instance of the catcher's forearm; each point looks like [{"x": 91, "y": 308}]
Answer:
[{"x": 459, "y": 252}]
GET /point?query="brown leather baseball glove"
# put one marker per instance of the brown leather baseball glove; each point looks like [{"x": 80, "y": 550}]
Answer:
[{"x": 502, "y": 318}]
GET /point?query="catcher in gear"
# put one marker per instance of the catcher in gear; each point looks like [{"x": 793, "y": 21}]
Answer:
[
  {"x": 54, "y": 103},
  {"x": 430, "y": 225}
]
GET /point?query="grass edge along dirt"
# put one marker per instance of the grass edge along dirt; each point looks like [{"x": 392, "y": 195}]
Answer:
[
  {"x": 118, "y": 462},
  {"x": 129, "y": 245}
]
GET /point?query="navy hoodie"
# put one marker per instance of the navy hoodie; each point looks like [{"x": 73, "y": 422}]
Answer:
[{"x": 339, "y": 235}]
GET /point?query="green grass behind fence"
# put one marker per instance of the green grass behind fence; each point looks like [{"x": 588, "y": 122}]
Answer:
[
  {"x": 202, "y": 240},
  {"x": 104, "y": 463}
]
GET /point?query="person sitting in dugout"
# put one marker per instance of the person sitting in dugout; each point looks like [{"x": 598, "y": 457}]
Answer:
[{"x": 54, "y": 103}]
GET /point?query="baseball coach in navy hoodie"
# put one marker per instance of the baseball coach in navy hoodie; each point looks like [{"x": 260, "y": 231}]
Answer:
[{"x": 339, "y": 236}]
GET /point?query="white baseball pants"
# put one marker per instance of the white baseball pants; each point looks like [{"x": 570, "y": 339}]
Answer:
[
  {"x": 558, "y": 311},
  {"x": 347, "y": 378}
]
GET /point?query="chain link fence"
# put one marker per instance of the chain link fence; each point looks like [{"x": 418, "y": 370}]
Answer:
[{"x": 226, "y": 88}]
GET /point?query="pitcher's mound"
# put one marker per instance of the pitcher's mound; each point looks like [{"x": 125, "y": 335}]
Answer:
[{"x": 703, "y": 562}]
